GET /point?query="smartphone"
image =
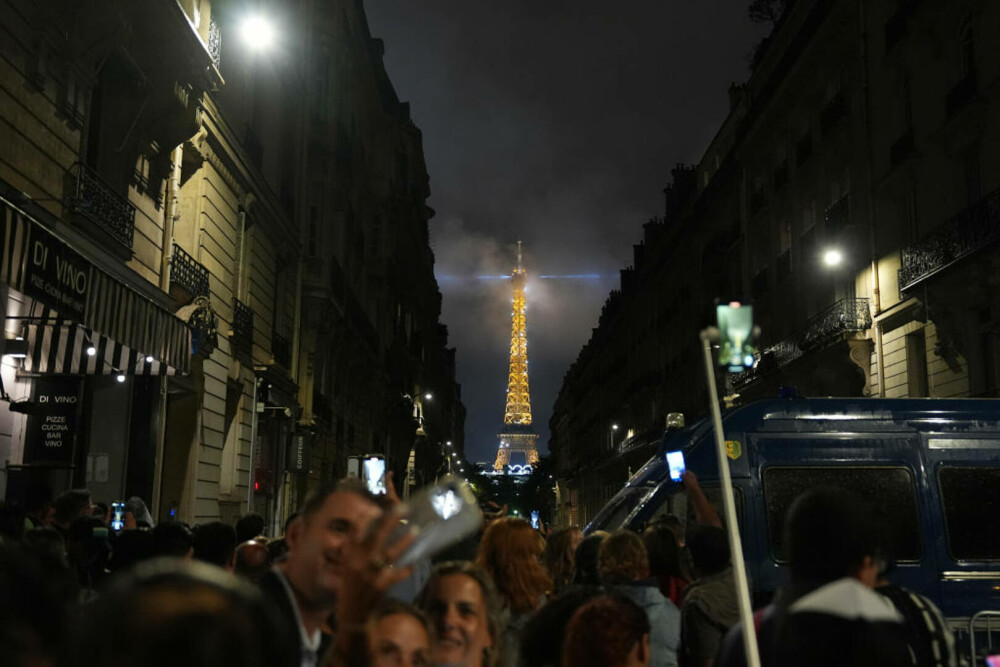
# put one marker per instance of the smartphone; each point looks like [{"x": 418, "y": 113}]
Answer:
[
  {"x": 439, "y": 515},
  {"x": 534, "y": 519},
  {"x": 736, "y": 332},
  {"x": 675, "y": 462},
  {"x": 117, "y": 516},
  {"x": 373, "y": 473}
]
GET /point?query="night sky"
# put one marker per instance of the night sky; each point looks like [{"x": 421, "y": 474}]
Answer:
[{"x": 556, "y": 122}]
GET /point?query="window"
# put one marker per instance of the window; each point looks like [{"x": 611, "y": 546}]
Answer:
[
  {"x": 889, "y": 491},
  {"x": 971, "y": 500}
]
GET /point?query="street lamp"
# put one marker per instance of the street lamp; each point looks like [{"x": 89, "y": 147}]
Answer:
[
  {"x": 428, "y": 396},
  {"x": 833, "y": 257},
  {"x": 257, "y": 32}
]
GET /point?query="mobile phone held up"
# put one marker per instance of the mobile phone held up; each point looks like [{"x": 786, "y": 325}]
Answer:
[
  {"x": 736, "y": 335},
  {"x": 439, "y": 516},
  {"x": 373, "y": 473},
  {"x": 117, "y": 516},
  {"x": 675, "y": 463}
]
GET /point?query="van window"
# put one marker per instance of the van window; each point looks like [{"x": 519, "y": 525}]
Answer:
[
  {"x": 677, "y": 504},
  {"x": 971, "y": 499},
  {"x": 889, "y": 491}
]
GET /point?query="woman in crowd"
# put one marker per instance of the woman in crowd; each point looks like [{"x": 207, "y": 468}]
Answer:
[
  {"x": 608, "y": 631},
  {"x": 558, "y": 556},
  {"x": 510, "y": 553},
  {"x": 398, "y": 636},
  {"x": 665, "y": 561},
  {"x": 464, "y": 609},
  {"x": 585, "y": 559}
]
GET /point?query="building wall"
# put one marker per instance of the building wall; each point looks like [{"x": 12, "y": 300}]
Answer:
[{"x": 813, "y": 156}]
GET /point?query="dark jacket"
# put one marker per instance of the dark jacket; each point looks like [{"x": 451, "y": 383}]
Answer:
[
  {"x": 839, "y": 623},
  {"x": 274, "y": 591}
]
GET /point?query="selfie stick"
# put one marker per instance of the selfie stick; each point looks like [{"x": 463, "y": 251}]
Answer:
[{"x": 708, "y": 336}]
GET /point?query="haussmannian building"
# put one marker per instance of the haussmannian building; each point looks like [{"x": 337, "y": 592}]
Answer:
[
  {"x": 867, "y": 131},
  {"x": 216, "y": 275}
]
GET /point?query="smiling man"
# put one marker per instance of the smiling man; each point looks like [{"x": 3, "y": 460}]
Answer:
[{"x": 306, "y": 585}]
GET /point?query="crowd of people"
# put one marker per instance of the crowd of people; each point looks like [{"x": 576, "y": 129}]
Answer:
[{"x": 326, "y": 592}]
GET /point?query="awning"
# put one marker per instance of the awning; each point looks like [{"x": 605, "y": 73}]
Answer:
[{"x": 76, "y": 305}]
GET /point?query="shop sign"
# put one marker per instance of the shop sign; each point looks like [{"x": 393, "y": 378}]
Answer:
[
  {"x": 56, "y": 275},
  {"x": 50, "y": 434},
  {"x": 297, "y": 460}
]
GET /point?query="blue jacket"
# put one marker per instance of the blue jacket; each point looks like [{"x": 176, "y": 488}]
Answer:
[{"x": 664, "y": 620}]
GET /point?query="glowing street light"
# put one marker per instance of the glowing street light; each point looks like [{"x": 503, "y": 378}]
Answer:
[
  {"x": 258, "y": 32},
  {"x": 428, "y": 396},
  {"x": 614, "y": 427},
  {"x": 833, "y": 257}
]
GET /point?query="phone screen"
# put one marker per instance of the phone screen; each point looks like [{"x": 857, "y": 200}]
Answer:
[
  {"x": 993, "y": 660},
  {"x": 117, "y": 516},
  {"x": 439, "y": 516},
  {"x": 675, "y": 461},
  {"x": 374, "y": 474},
  {"x": 736, "y": 349}
]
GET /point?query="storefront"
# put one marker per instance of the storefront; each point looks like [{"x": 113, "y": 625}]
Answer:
[{"x": 85, "y": 358}]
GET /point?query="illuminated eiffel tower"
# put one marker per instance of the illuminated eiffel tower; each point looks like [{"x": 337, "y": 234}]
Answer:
[{"x": 517, "y": 434}]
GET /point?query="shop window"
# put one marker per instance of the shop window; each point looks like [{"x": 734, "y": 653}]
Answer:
[
  {"x": 971, "y": 500},
  {"x": 888, "y": 491}
]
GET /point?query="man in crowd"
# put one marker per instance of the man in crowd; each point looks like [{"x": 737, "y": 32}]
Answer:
[
  {"x": 215, "y": 543},
  {"x": 828, "y": 614},
  {"x": 305, "y": 587},
  {"x": 710, "y": 604},
  {"x": 69, "y": 505}
]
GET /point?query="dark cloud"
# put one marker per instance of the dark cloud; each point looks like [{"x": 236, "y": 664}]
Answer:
[{"x": 555, "y": 122}]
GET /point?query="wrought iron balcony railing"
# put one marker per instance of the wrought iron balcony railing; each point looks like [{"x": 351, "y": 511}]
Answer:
[
  {"x": 962, "y": 235},
  {"x": 241, "y": 332},
  {"x": 189, "y": 273},
  {"x": 845, "y": 316},
  {"x": 215, "y": 43},
  {"x": 281, "y": 350},
  {"x": 98, "y": 202}
]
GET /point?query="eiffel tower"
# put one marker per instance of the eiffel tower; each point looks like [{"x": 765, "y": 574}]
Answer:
[{"x": 517, "y": 434}]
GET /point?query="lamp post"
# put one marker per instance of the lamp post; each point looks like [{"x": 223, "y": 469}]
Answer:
[{"x": 611, "y": 437}]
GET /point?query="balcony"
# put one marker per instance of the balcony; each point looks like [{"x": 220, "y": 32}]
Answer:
[
  {"x": 215, "y": 43},
  {"x": 241, "y": 333},
  {"x": 969, "y": 231},
  {"x": 961, "y": 94},
  {"x": 188, "y": 273},
  {"x": 281, "y": 350},
  {"x": 845, "y": 316},
  {"x": 901, "y": 149},
  {"x": 834, "y": 111},
  {"x": 838, "y": 215},
  {"x": 98, "y": 202}
]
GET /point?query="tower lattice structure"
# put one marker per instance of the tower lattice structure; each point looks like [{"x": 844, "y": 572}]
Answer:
[{"x": 517, "y": 434}]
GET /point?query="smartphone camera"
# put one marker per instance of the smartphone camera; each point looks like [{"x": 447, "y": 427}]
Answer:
[
  {"x": 675, "y": 462},
  {"x": 736, "y": 332},
  {"x": 373, "y": 474},
  {"x": 117, "y": 517}
]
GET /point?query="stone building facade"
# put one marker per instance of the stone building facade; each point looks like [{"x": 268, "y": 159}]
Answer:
[
  {"x": 163, "y": 247},
  {"x": 867, "y": 133}
]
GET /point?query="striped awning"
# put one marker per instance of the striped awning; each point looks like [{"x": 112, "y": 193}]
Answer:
[{"x": 124, "y": 327}]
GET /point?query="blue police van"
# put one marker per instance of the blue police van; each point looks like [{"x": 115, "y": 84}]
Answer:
[{"x": 930, "y": 469}]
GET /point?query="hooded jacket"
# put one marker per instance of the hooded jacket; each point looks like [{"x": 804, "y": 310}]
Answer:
[{"x": 664, "y": 619}]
